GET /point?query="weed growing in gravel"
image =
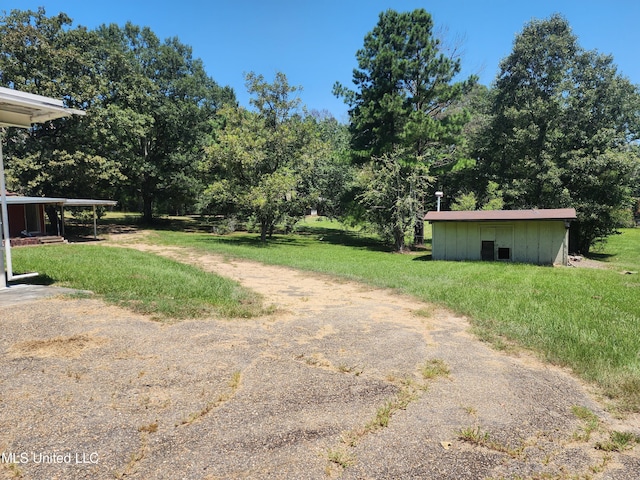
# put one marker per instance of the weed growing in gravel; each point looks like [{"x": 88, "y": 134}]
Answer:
[
  {"x": 151, "y": 428},
  {"x": 473, "y": 435},
  {"x": 619, "y": 441},
  {"x": 234, "y": 384},
  {"x": 135, "y": 457},
  {"x": 316, "y": 362},
  {"x": 341, "y": 457},
  {"x": 342, "y": 368},
  {"x": 434, "y": 368},
  {"x": 600, "y": 467},
  {"x": 590, "y": 420},
  {"x": 409, "y": 391},
  {"x": 383, "y": 415},
  {"x": 478, "y": 437},
  {"x": 471, "y": 411},
  {"x": 405, "y": 396},
  {"x": 13, "y": 470}
]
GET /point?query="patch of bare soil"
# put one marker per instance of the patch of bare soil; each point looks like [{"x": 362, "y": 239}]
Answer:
[
  {"x": 584, "y": 262},
  {"x": 63, "y": 347},
  {"x": 342, "y": 381}
]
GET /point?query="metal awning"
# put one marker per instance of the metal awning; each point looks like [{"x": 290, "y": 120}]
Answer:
[
  {"x": 21, "y": 200},
  {"x": 64, "y": 202},
  {"x": 21, "y": 109},
  {"x": 67, "y": 202},
  {"x": 88, "y": 202}
]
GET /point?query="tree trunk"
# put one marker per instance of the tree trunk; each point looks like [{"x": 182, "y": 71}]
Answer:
[
  {"x": 54, "y": 220},
  {"x": 147, "y": 186},
  {"x": 418, "y": 231},
  {"x": 578, "y": 241},
  {"x": 398, "y": 237},
  {"x": 147, "y": 208},
  {"x": 264, "y": 227}
]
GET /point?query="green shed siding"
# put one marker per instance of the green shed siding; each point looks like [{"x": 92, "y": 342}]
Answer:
[{"x": 542, "y": 242}]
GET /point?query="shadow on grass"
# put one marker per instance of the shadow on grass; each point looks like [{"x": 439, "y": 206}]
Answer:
[
  {"x": 344, "y": 238},
  {"x": 248, "y": 240},
  {"x": 39, "y": 280},
  {"x": 423, "y": 258},
  {"x": 302, "y": 237},
  {"x": 602, "y": 257},
  {"x": 174, "y": 224}
]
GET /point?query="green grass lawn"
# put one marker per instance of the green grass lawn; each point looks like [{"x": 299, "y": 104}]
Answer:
[
  {"x": 586, "y": 319},
  {"x": 144, "y": 282}
]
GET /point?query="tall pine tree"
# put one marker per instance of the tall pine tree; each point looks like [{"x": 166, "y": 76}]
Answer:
[{"x": 404, "y": 88}]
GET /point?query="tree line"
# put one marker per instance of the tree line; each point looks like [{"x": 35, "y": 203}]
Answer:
[{"x": 557, "y": 128}]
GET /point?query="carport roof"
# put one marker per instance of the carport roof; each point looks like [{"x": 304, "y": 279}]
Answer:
[
  {"x": 88, "y": 202},
  {"x": 22, "y": 109},
  {"x": 498, "y": 215},
  {"x": 21, "y": 200},
  {"x": 67, "y": 202}
]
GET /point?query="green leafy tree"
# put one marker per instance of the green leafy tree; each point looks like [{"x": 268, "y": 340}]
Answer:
[
  {"x": 462, "y": 176},
  {"x": 469, "y": 201},
  {"x": 333, "y": 176},
  {"x": 404, "y": 90},
  {"x": 159, "y": 105},
  {"x": 464, "y": 202},
  {"x": 561, "y": 133},
  {"x": 391, "y": 189},
  {"x": 261, "y": 161},
  {"x": 46, "y": 56},
  {"x": 149, "y": 109}
]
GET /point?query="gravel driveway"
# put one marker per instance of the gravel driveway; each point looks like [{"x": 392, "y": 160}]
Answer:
[{"x": 342, "y": 381}]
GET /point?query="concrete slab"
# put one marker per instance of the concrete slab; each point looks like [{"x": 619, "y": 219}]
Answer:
[{"x": 22, "y": 293}]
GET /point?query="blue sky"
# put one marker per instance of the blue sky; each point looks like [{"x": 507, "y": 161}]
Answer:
[{"x": 314, "y": 42}]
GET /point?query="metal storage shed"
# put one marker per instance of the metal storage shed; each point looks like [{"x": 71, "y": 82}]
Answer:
[{"x": 528, "y": 236}]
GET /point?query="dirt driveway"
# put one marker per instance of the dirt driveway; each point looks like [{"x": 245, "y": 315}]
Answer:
[{"x": 343, "y": 381}]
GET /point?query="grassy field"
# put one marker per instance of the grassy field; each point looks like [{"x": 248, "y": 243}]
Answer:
[
  {"x": 140, "y": 281},
  {"x": 585, "y": 319}
]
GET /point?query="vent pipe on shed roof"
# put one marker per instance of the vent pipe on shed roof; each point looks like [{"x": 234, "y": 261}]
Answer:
[{"x": 439, "y": 195}]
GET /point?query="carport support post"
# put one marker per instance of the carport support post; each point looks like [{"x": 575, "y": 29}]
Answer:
[
  {"x": 4, "y": 219},
  {"x": 95, "y": 224}
]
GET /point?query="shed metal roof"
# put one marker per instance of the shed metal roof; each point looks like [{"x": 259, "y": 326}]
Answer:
[{"x": 501, "y": 215}]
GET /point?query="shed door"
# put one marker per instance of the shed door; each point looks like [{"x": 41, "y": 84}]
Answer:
[
  {"x": 488, "y": 244},
  {"x": 488, "y": 250}
]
